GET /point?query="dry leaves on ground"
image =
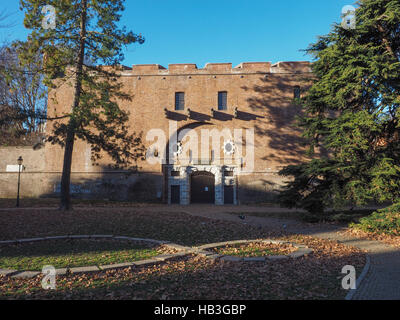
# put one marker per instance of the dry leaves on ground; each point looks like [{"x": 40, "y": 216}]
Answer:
[
  {"x": 316, "y": 276},
  {"x": 256, "y": 249},
  {"x": 385, "y": 238}
]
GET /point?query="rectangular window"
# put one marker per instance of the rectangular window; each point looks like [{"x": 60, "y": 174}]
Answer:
[
  {"x": 175, "y": 173},
  {"x": 222, "y": 100},
  {"x": 179, "y": 100}
]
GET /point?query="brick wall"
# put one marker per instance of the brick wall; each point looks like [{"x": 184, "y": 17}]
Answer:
[
  {"x": 32, "y": 180},
  {"x": 262, "y": 93}
]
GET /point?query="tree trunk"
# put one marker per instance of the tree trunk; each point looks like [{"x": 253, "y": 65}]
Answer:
[{"x": 65, "y": 201}]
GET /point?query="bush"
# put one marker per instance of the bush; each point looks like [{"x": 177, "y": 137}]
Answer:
[{"x": 383, "y": 221}]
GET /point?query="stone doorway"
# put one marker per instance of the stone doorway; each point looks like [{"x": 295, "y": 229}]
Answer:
[
  {"x": 187, "y": 184},
  {"x": 202, "y": 187}
]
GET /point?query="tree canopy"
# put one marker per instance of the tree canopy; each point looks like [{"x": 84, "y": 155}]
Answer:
[
  {"x": 352, "y": 113},
  {"x": 76, "y": 38}
]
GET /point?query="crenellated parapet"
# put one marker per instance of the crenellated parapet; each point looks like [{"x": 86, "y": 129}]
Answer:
[
  {"x": 220, "y": 68},
  {"x": 291, "y": 67}
]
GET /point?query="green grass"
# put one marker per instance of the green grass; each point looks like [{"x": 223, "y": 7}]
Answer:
[
  {"x": 71, "y": 253},
  {"x": 248, "y": 252},
  {"x": 254, "y": 249}
]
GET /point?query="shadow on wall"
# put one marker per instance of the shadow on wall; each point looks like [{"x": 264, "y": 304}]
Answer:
[
  {"x": 274, "y": 115},
  {"x": 275, "y": 99},
  {"x": 138, "y": 187},
  {"x": 253, "y": 189},
  {"x": 112, "y": 185}
]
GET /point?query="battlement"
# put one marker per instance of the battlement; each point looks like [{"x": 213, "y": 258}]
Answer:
[
  {"x": 218, "y": 67},
  {"x": 291, "y": 67},
  {"x": 182, "y": 68},
  {"x": 144, "y": 68},
  {"x": 221, "y": 68},
  {"x": 255, "y": 66}
]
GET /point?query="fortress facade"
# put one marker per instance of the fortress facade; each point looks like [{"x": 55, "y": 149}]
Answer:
[{"x": 214, "y": 135}]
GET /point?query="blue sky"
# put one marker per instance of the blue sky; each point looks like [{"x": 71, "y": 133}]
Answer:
[{"x": 201, "y": 31}]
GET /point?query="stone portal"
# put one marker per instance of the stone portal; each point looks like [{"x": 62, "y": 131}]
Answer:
[{"x": 202, "y": 184}]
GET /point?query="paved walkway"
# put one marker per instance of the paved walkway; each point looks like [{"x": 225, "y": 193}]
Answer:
[{"x": 382, "y": 282}]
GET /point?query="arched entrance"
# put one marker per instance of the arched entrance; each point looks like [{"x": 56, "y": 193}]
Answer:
[{"x": 202, "y": 187}]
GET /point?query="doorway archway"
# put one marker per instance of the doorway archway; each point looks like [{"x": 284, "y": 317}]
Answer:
[{"x": 202, "y": 187}]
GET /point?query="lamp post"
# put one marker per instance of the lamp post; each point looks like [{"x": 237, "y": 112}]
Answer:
[{"x": 20, "y": 160}]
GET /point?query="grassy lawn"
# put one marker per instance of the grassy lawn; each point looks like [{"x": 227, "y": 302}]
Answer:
[
  {"x": 255, "y": 249},
  {"x": 316, "y": 276},
  {"x": 72, "y": 253}
]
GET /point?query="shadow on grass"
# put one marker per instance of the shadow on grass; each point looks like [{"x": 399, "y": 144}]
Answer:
[
  {"x": 312, "y": 277},
  {"x": 72, "y": 253},
  {"x": 339, "y": 216},
  {"x": 177, "y": 227}
]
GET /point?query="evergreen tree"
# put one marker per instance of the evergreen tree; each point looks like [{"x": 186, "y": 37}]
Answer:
[
  {"x": 76, "y": 32},
  {"x": 352, "y": 113}
]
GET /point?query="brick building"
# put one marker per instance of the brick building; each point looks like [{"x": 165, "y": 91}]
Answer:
[{"x": 213, "y": 135}]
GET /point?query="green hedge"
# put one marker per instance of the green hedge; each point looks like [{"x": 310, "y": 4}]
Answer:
[{"x": 383, "y": 221}]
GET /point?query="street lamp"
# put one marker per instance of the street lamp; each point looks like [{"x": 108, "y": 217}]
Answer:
[{"x": 20, "y": 160}]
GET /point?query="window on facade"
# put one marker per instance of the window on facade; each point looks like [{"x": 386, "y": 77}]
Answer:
[
  {"x": 222, "y": 100},
  {"x": 296, "y": 92},
  {"x": 179, "y": 100},
  {"x": 175, "y": 173}
]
